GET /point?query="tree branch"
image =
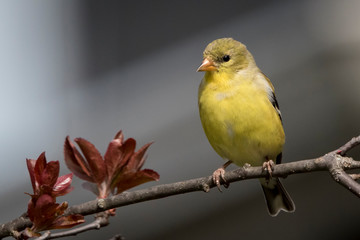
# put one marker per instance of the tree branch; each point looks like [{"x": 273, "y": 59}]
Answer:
[
  {"x": 101, "y": 220},
  {"x": 355, "y": 176},
  {"x": 334, "y": 162},
  {"x": 348, "y": 146}
]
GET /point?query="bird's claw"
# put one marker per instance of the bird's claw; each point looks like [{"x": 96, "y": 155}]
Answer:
[
  {"x": 268, "y": 166},
  {"x": 219, "y": 176}
]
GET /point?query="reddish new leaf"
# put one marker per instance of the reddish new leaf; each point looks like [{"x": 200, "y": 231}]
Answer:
[
  {"x": 38, "y": 209},
  {"x": 43, "y": 210},
  {"x": 43, "y": 175},
  {"x": 134, "y": 179},
  {"x": 119, "y": 169},
  {"x": 39, "y": 167},
  {"x": 137, "y": 159},
  {"x": 118, "y": 155},
  {"x": 119, "y": 135},
  {"x": 130, "y": 175},
  {"x": 49, "y": 176},
  {"x": 31, "y": 209},
  {"x": 47, "y": 215},
  {"x": 93, "y": 158},
  {"x": 67, "y": 221},
  {"x": 128, "y": 149},
  {"x": 75, "y": 162},
  {"x": 63, "y": 185},
  {"x": 112, "y": 156}
]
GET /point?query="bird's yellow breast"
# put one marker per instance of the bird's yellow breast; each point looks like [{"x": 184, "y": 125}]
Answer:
[{"x": 239, "y": 119}]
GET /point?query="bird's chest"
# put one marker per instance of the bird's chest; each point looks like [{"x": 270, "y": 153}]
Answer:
[
  {"x": 237, "y": 119},
  {"x": 232, "y": 111}
]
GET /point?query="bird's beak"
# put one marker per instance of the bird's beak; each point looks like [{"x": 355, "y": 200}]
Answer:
[{"x": 207, "y": 65}]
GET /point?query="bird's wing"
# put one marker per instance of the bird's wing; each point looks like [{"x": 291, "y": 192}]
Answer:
[
  {"x": 272, "y": 97},
  {"x": 274, "y": 102}
]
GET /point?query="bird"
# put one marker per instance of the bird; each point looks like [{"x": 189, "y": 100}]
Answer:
[{"x": 241, "y": 118}]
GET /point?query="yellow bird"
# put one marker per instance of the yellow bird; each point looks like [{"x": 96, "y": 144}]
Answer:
[{"x": 241, "y": 117}]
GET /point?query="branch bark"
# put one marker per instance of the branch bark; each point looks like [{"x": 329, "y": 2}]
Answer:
[
  {"x": 334, "y": 162},
  {"x": 101, "y": 220}
]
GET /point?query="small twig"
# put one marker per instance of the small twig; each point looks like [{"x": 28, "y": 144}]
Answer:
[
  {"x": 349, "y": 145},
  {"x": 333, "y": 162},
  {"x": 44, "y": 236},
  {"x": 336, "y": 167},
  {"x": 355, "y": 176},
  {"x": 101, "y": 220}
]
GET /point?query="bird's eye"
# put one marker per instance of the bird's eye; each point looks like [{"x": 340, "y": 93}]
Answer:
[{"x": 226, "y": 58}]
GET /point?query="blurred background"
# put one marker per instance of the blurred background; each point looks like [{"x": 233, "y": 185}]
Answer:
[{"x": 90, "y": 68}]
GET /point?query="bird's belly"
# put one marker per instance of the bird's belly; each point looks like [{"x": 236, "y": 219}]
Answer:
[{"x": 242, "y": 131}]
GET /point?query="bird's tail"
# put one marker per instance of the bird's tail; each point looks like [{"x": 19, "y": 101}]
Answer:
[{"x": 277, "y": 198}]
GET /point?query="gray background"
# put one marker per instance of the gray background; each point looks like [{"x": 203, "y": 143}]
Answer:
[{"x": 90, "y": 68}]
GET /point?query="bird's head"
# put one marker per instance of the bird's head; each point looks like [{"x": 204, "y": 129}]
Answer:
[{"x": 225, "y": 55}]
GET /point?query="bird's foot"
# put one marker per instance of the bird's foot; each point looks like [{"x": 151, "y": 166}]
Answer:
[
  {"x": 268, "y": 166},
  {"x": 219, "y": 176}
]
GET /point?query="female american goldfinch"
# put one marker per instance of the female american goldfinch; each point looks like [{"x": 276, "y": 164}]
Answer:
[{"x": 241, "y": 117}]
